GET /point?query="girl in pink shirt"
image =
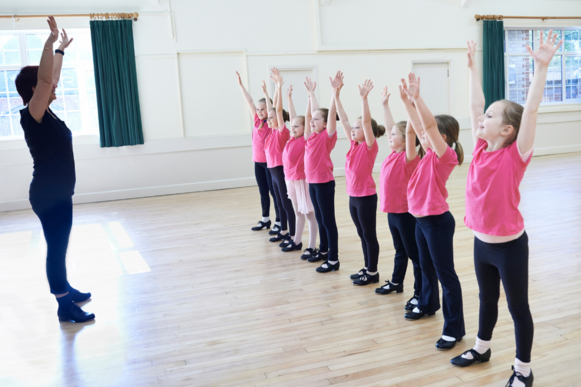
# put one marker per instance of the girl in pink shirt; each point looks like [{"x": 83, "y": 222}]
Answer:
[
  {"x": 396, "y": 171},
  {"x": 321, "y": 138},
  {"x": 293, "y": 158},
  {"x": 435, "y": 224},
  {"x": 503, "y": 138},
  {"x": 260, "y": 132},
  {"x": 358, "y": 177},
  {"x": 273, "y": 148}
]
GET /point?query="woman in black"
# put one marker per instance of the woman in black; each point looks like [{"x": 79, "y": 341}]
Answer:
[{"x": 51, "y": 147}]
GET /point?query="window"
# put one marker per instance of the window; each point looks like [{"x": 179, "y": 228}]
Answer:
[
  {"x": 76, "y": 102},
  {"x": 563, "y": 83}
]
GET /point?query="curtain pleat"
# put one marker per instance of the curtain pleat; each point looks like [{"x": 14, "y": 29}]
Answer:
[{"x": 493, "y": 63}]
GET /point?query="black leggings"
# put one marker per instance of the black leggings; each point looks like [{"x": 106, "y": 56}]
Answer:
[
  {"x": 403, "y": 232},
  {"x": 56, "y": 217},
  {"x": 323, "y": 198},
  {"x": 264, "y": 182},
  {"x": 287, "y": 213},
  {"x": 364, "y": 214},
  {"x": 508, "y": 262},
  {"x": 435, "y": 237}
]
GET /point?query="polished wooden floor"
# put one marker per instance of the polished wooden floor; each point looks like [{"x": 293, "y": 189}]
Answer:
[{"x": 186, "y": 295}]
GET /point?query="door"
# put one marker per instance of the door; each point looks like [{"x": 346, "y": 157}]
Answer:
[
  {"x": 434, "y": 85},
  {"x": 296, "y": 78}
]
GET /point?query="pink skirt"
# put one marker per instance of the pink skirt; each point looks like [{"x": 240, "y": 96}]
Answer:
[{"x": 298, "y": 193}]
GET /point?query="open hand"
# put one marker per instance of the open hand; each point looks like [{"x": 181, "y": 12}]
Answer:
[
  {"x": 309, "y": 84},
  {"x": 54, "y": 31},
  {"x": 264, "y": 88},
  {"x": 65, "y": 42},
  {"x": 276, "y": 77},
  {"x": 337, "y": 82},
  {"x": 546, "y": 49},
  {"x": 412, "y": 89},
  {"x": 365, "y": 88},
  {"x": 289, "y": 92},
  {"x": 239, "y": 80},
  {"x": 471, "y": 52},
  {"x": 384, "y": 96}
]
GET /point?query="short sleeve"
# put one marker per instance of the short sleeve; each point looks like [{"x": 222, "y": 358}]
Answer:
[
  {"x": 515, "y": 154},
  {"x": 480, "y": 144},
  {"x": 256, "y": 120},
  {"x": 331, "y": 140},
  {"x": 449, "y": 157}
]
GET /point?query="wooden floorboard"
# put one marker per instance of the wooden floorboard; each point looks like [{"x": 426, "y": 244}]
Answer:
[{"x": 186, "y": 295}]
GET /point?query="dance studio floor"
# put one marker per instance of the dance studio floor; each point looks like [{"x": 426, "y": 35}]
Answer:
[{"x": 186, "y": 295}]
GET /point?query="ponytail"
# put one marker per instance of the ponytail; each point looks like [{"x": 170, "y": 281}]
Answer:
[{"x": 449, "y": 126}]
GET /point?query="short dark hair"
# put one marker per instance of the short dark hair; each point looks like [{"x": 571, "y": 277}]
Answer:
[{"x": 25, "y": 81}]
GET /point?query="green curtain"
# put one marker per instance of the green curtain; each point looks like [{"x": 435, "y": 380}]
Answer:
[
  {"x": 493, "y": 64},
  {"x": 116, "y": 83}
]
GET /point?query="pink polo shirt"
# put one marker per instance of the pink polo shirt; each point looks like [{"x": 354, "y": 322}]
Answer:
[
  {"x": 492, "y": 190},
  {"x": 427, "y": 191},
  {"x": 318, "y": 164},
  {"x": 359, "y": 168},
  {"x": 274, "y": 145},
  {"x": 258, "y": 139},
  {"x": 293, "y": 159},
  {"x": 393, "y": 182}
]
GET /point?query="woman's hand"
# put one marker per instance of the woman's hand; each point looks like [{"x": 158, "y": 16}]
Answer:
[
  {"x": 546, "y": 49},
  {"x": 471, "y": 52},
  {"x": 365, "y": 88},
  {"x": 65, "y": 42},
  {"x": 54, "y": 31},
  {"x": 384, "y": 96}
]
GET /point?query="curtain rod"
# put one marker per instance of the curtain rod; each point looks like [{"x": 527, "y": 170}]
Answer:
[
  {"x": 501, "y": 17},
  {"x": 93, "y": 16}
]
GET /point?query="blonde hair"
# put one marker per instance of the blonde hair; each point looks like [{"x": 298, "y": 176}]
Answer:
[
  {"x": 401, "y": 126},
  {"x": 512, "y": 115}
]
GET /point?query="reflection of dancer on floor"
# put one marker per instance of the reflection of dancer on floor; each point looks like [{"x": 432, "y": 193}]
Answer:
[
  {"x": 396, "y": 170},
  {"x": 503, "y": 136},
  {"x": 359, "y": 164},
  {"x": 293, "y": 159},
  {"x": 51, "y": 146},
  {"x": 260, "y": 132}
]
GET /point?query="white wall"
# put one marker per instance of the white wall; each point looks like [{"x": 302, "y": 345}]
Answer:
[{"x": 196, "y": 125}]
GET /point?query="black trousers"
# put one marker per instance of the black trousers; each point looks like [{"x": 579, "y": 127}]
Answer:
[
  {"x": 56, "y": 217},
  {"x": 435, "y": 237},
  {"x": 507, "y": 262},
  {"x": 403, "y": 233},
  {"x": 364, "y": 214},
  {"x": 286, "y": 213},
  {"x": 323, "y": 198},
  {"x": 264, "y": 182}
]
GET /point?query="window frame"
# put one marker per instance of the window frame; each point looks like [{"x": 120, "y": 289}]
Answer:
[
  {"x": 564, "y": 54},
  {"x": 24, "y": 61}
]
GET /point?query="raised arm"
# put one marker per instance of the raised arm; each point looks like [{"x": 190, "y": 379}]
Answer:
[
  {"x": 365, "y": 113},
  {"x": 308, "y": 116},
  {"x": 269, "y": 106},
  {"x": 476, "y": 96},
  {"x": 426, "y": 117},
  {"x": 410, "y": 142},
  {"x": 337, "y": 85},
  {"x": 410, "y": 109},
  {"x": 387, "y": 117},
  {"x": 291, "y": 106},
  {"x": 44, "y": 84},
  {"x": 247, "y": 97},
  {"x": 310, "y": 85},
  {"x": 58, "y": 58},
  {"x": 279, "y": 115},
  {"x": 332, "y": 117},
  {"x": 542, "y": 58}
]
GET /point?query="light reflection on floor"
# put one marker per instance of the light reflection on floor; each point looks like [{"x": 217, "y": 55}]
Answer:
[{"x": 99, "y": 255}]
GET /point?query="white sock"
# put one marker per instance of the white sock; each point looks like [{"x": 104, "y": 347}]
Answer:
[
  {"x": 277, "y": 223},
  {"x": 416, "y": 301},
  {"x": 416, "y": 310},
  {"x": 413, "y": 301},
  {"x": 333, "y": 262},
  {"x": 481, "y": 346},
  {"x": 371, "y": 273},
  {"x": 448, "y": 338},
  {"x": 283, "y": 232},
  {"x": 265, "y": 219},
  {"x": 522, "y": 368}
]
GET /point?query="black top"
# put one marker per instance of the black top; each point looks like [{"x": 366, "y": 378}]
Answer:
[{"x": 51, "y": 147}]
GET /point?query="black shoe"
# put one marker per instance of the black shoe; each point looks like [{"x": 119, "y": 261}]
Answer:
[
  {"x": 292, "y": 247},
  {"x": 279, "y": 237},
  {"x": 309, "y": 253},
  {"x": 358, "y": 274},
  {"x": 445, "y": 345},
  {"x": 286, "y": 241},
  {"x": 367, "y": 279},
  {"x": 77, "y": 296},
  {"x": 476, "y": 357},
  {"x": 528, "y": 382},
  {"x": 327, "y": 267},
  {"x": 275, "y": 230},
  {"x": 411, "y": 315},
  {"x": 389, "y": 287},
  {"x": 409, "y": 305},
  {"x": 74, "y": 314},
  {"x": 319, "y": 257},
  {"x": 262, "y": 225}
]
